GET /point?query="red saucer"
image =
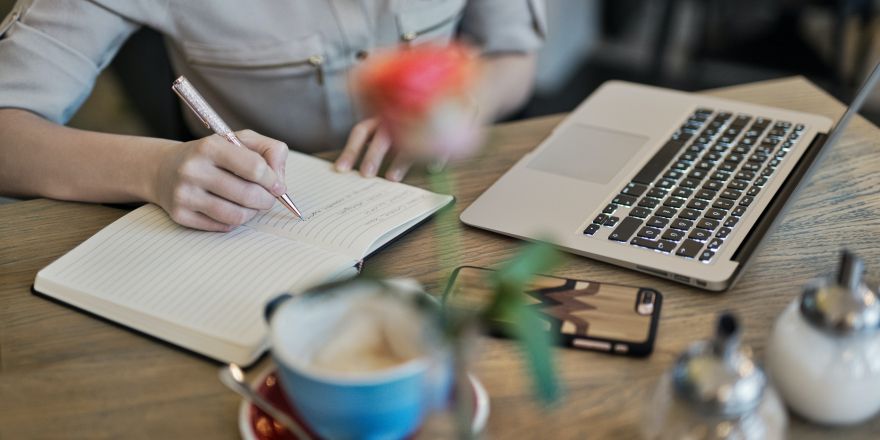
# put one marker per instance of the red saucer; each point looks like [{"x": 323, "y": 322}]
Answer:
[{"x": 255, "y": 424}]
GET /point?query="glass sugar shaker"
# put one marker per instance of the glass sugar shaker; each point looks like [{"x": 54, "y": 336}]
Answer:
[
  {"x": 715, "y": 391},
  {"x": 824, "y": 352}
]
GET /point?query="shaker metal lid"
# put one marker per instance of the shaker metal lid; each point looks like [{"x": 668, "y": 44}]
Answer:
[
  {"x": 845, "y": 305},
  {"x": 717, "y": 377}
]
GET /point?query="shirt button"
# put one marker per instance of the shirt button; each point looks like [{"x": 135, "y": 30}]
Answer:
[{"x": 361, "y": 55}]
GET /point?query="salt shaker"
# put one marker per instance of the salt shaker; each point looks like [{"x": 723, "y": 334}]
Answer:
[
  {"x": 715, "y": 391},
  {"x": 824, "y": 352}
]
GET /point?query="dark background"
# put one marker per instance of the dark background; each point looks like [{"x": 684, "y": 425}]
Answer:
[{"x": 687, "y": 45}]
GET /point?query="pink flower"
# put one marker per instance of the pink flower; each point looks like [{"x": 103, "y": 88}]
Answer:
[{"x": 422, "y": 96}]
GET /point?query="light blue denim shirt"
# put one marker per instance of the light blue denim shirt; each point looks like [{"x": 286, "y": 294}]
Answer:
[{"x": 281, "y": 68}]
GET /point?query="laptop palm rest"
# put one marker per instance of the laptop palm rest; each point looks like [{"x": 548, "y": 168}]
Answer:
[{"x": 588, "y": 153}]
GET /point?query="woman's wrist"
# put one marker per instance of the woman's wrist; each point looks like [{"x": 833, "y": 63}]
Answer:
[{"x": 149, "y": 182}]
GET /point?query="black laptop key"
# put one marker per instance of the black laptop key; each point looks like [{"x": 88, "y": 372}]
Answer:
[
  {"x": 730, "y": 194},
  {"x": 737, "y": 185},
  {"x": 625, "y": 200},
  {"x": 640, "y": 212},
  {"x": 723, "y": 233},
  {"x": 746, "y": 201},
  {"x": 664, "y": 184},
  {"x": 731, "y": 222},
  {"x": 681, "y": 165},
  {"x": 665, "y": 211},
  {"x": 761, "y": 182},
  {"x": 697, "y": 175},
  {"x": 626, "y": 229},
  {"x": 656, "y": 193},
  {"x": 689, "y": 214},
  {"x": 657, "y": 222},
  {"x": 733, "y": 158},
  {"x": 689, "y": 249},
  {"x": 644, "y": 242},
  {"x": 681, "y": 224},
  {"x": 674, "y": 202},
  {"x": 713, "y": 157},
  {"x": 697, "y": 147},
  {"x": 682, "y": 192},
  {"x": 715, "y": 243},
  {"x": 673, "y": 175},
  {"x": 612, "y": 220},
  {"x": 715, "y": 214},
  {"x": 591, "y": 229},
  {"x": 751, "y": 166},
  {"x": 740, "y": 149},
  {"x": 666, "y": 246},
  {"x": 600, "y": 219},
  {"x": 713, "y": 185},
  {"x": 673, "y": 235},
  {"x": 706, "y": 194},
  {"x": 706, "y": 255},
  {"x": 745, "y": 175},
  {"x": 738, "y": 211},
  {"x": 688, "y": 156},
  {"x": 610, "y": 209},
  {"x": 724, "y": 204},
  {"x": 698, "y": 204},
  {"x": 689, "y": 183},
  {"x": 649, "y": 232},
  {"x": 758, "y": 158},
  {"x": 648, "y": 202},
  {"x": 658, "y": 163},
  {"x": 727, "y": 167},
  {"x": 699, "y": 235},
  {"x": 708, "y": 224},
  {"x": 634, "y": 189},
  {"x": 753, "y": 191},
  {"x": 705, "y": 165},
  {"x": 721, "y": 176}
]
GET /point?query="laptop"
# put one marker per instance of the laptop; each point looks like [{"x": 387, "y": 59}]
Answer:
[{"x": 674, "y": 184}]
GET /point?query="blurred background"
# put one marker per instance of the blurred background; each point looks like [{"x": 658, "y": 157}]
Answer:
[{"x": 683, "y": 44}]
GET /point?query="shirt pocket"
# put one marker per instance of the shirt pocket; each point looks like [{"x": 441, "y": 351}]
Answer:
[
  {"x": 277, "y": 89},
  {"x": 294, "y": 58},
  {"x": 434, "y": 21}
]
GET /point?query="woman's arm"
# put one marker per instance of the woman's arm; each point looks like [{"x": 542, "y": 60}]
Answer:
[
  {"x": 206, "y": 184},
  {"x": 506, "y": 84}
]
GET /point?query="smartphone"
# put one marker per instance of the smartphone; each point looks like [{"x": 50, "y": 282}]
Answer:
[{"x": 581, "y": 314}]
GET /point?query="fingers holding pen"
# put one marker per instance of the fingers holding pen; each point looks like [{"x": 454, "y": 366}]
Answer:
[
  {"x": 245, "y": 163},
  {"x": 213, "y": 185},
  {"x": 273, "y": 151}
]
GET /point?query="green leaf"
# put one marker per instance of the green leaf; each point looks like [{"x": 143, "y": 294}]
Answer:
[{"x": 508, "y": 306}]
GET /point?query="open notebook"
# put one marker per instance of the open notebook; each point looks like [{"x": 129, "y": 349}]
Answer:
[{"x": 205, "y": 291}]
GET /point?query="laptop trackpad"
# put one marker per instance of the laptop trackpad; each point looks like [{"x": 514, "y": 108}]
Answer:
[{"x": 588, "y": 153}]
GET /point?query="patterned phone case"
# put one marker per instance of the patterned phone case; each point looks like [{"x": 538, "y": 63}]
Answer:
[{"x": 584, "y": 314}]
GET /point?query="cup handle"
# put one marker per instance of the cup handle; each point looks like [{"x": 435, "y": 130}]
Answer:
[{"x": 273, "y": 304}]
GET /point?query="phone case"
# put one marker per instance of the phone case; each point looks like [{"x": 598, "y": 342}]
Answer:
[{"x": 584, "y": 314}]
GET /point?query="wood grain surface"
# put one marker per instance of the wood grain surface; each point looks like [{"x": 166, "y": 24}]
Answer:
[{"x": 65, "y": 374}]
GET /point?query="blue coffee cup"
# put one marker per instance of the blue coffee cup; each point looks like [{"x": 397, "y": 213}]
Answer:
[{"x": 349, "y": 397}]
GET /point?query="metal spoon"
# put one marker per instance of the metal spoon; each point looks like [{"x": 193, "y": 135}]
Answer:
[{"x": 232, "y": 376}]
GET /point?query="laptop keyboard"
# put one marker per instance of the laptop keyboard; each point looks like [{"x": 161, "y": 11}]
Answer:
[{"x": 691, "y": 195}]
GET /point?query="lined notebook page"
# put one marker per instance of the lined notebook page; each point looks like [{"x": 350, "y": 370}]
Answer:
[
  {"x": 344, "y": 211},
  {"x": 215, "y": 284}
]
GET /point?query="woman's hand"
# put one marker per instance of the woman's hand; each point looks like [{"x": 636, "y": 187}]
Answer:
[
  {"x": 213, "y": 185},
  {"x": 369, "y": 136}
]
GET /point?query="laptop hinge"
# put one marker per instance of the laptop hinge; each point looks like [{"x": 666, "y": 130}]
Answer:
[{"x": 778, "y": 205}]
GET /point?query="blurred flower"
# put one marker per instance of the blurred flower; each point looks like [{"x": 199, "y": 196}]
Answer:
[{"x": 422, "y": 95}]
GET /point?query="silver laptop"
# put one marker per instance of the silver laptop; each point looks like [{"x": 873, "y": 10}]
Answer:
[{"x": 673, "y": 184}]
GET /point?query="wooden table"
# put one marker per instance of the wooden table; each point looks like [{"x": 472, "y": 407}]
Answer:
[{"x": 66, "y": 374}]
